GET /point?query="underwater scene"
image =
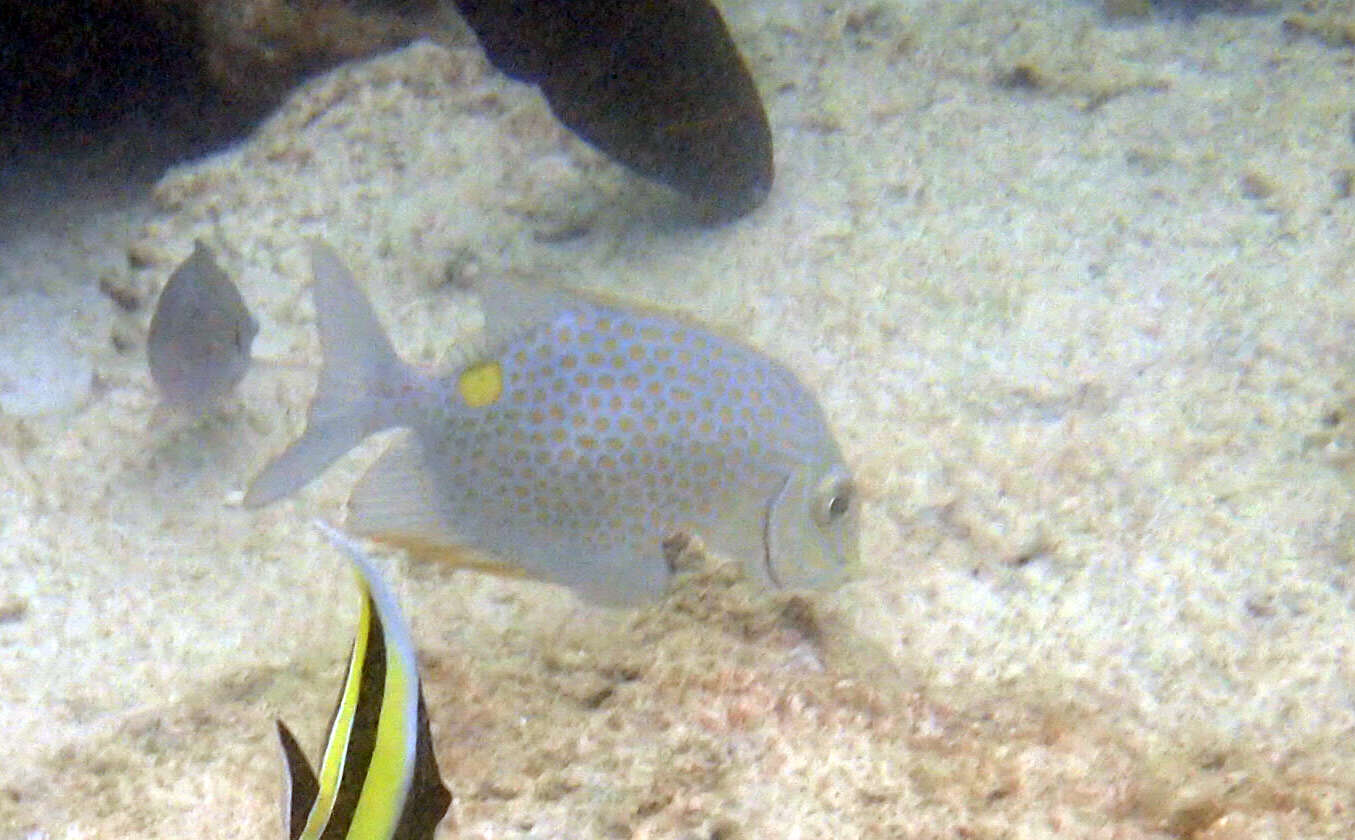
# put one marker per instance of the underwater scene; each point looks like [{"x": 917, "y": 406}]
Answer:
[{"x": 681, "y": 419}]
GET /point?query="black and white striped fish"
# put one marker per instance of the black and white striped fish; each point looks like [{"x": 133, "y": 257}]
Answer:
[{"x": 378, "y": 776}]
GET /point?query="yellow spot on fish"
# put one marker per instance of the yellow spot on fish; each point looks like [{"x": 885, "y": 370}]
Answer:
[{"x": 481, "y": 384}]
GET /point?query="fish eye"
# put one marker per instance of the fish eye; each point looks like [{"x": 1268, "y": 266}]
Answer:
[{"x": 833, "y": 499}]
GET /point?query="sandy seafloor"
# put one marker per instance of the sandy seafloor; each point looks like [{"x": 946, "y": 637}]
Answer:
[{"x": 1087, "y": 346}]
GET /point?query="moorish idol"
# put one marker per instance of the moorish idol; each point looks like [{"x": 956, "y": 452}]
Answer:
[{"x": 378, "y": 777}]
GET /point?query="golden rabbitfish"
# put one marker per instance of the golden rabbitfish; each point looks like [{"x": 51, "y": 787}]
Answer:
[{"x": 576, "y": 439}]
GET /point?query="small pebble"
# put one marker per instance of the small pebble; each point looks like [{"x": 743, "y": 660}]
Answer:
[{"x": 13, "y": 610}]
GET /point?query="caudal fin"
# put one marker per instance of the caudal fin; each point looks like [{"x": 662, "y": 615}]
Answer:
[{"x": 359, "y": 366}]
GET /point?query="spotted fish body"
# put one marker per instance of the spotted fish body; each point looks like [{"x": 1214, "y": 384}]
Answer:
[{"x": 582, "y": 436}]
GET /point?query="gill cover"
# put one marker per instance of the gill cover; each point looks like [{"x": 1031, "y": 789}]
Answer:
[{"x": 811, "y": 529}]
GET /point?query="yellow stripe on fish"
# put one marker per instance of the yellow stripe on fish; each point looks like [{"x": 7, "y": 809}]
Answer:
[
  {"x": 378, "y": 776},
  {"x": 585, "y": 433},
  {"x": 338, "y": 741}
]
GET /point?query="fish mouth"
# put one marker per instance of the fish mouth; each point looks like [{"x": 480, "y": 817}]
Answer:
[{"x": 772, "y": 502}]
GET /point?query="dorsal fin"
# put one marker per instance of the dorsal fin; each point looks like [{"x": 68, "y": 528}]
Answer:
[{"x": 513, "y": 306}]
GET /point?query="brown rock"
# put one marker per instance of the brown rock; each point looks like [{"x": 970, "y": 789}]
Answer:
[{"x": 255, "y": 50}]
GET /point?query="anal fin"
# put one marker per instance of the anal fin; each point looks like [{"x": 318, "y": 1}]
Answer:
[
  {"x": 397, "y": 503},
  {"x": 397, "y": 500},
  {"x": 302, "y": 787},
  {"x": 429, "y": 797},
  {"x": 458, "y": 556}
]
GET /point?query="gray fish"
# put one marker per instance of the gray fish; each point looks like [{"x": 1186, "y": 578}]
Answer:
[
  {"x": 200, "y": 335},
  {"x": 577, "y": 437}
]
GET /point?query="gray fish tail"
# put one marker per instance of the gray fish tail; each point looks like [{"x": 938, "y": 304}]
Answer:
[{"x": 360, "y": 370}]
